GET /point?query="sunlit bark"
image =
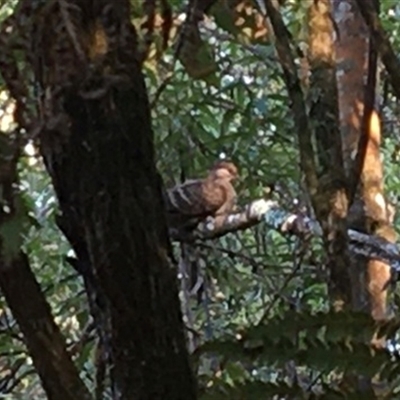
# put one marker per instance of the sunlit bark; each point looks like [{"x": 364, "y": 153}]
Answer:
[
  {"x": 361, "y": 135},
  {"x": 332, "y": 204}
]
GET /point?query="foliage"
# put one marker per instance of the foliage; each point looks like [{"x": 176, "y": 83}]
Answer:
[
  {"x": 257, "y": 360},
  {"x": 265, "y": 306}
]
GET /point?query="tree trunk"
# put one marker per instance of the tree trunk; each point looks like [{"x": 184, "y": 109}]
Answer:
[
  {"x": 42, "y": 336},
  {"x": 361, "y": 135},
  {"x": 331, "y": 203},
  {"x": 97, "y": 143},
  {"x": 46, "y": 345}
]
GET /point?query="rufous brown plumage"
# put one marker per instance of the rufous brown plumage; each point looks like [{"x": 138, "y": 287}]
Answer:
[{"x": 194, "y": 200}]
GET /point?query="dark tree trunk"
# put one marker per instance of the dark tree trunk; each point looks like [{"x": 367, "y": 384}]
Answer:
[
  {"x": 42, "y": 336},
  {"x": 105, "y": 175},
  {"x": 46, "y": 344},
  {"x": 101, "y": 161}
]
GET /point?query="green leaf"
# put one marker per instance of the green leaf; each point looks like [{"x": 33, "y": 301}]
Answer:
[{"x": 13, "y": 230}]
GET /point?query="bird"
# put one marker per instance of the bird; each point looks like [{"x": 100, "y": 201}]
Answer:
[{"x": 194, "y": 200}]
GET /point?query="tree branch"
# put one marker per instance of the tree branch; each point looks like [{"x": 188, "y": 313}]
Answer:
[
  {"x": 287, "y": 223},
  {"x": 382, "y": 43},
  {"x": 293, "y": 85}
]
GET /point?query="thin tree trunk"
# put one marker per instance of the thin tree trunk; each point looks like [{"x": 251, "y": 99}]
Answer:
[
  {"x": 43, "y": 338},
  {"x": 46, "y": 345}
]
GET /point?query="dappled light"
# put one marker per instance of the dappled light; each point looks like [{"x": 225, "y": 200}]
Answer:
[{"x": 198, "y": 199}]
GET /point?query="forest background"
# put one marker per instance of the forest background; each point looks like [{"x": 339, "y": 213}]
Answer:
[{"x": 295, "y": 296}]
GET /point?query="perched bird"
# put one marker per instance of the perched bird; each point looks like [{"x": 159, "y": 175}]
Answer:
[{"x": 194, "y": 200}]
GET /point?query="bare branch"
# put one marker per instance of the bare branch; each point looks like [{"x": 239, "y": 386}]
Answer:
[
  {"x": 293, "y": 85},
  {"x": 382, "y": 43}
]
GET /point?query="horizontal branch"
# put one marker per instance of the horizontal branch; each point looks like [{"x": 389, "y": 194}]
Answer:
[{"x": 272, "y": 215}]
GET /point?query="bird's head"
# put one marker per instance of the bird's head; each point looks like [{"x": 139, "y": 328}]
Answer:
[{"x": 224, "y": 170}]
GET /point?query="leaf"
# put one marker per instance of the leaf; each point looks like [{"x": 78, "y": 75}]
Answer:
[
  {"x": 12, "y": 230},
  {"x": 195, "y": 54},
  {"x": 227, "y": 119},
  {"x": 261, "y": 105},
  {"x": 242, "y": 19}
]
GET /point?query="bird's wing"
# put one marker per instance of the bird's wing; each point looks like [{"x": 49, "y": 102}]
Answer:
[{"x": 193, "y": 198}]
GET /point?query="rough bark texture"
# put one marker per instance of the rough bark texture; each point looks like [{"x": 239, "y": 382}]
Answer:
[
  {"x": 97, "y": 143},
  {"x": 332, "y": 200}
]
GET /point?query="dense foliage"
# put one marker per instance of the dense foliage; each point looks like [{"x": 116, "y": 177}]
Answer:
[{"x": 263, "y": 315}]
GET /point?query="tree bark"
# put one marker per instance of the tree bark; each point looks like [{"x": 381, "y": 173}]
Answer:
[
  {"x": 97, "y": 143},
  {"x": 42, "y": 336},
  {"x": 46, "y": 345},
  {"x": 361, "y": 138},
  {"x": 332, "y": 200}
]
